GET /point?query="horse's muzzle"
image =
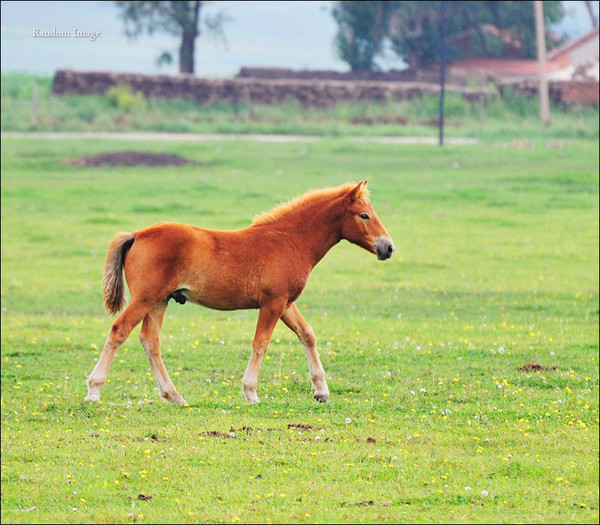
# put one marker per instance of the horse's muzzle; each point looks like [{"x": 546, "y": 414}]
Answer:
[{"x": 384, "y": 247}]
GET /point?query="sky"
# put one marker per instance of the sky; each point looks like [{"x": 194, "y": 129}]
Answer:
[{"x": 297, "y": 35}]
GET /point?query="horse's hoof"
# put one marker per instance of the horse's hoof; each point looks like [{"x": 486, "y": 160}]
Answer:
[
  {"x": 92, "y": 398},
  {"x": 250, "y": 394},
  {"x": 322, "y": 398},
  {"x": 174, "y": 398}
]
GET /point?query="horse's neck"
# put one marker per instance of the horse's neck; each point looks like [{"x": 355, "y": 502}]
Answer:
[{"x": 318, "y": 229}]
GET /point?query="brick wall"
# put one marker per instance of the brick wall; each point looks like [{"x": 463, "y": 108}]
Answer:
[{"x": 584, "y": 92}]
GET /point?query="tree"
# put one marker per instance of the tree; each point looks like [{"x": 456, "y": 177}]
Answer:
[
  {"x": 182, "y": 19},
  {"x": 475, "y": 28},
  {"x": 362, "y": 28}
]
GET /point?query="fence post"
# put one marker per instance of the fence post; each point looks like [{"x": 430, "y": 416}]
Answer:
[{"x": 35, "y": 104}]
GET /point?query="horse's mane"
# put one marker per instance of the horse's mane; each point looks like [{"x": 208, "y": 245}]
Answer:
[{"x": 308, "y": 199}]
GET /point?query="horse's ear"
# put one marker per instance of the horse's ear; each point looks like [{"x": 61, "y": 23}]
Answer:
[{"x": 357, "y": 191}]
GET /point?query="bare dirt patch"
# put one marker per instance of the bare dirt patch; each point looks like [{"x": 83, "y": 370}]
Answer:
[
  {"x": 301, "y": 426},
  {"x": 217, "y": 434},
  {"x": 130, "y": 158},
  {"x": 536, "y": 367}
]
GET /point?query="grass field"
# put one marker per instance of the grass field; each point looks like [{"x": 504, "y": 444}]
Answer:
[{"x": 432, "y": 417}]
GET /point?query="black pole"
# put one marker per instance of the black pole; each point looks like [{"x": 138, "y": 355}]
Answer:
[{"x": 442, "y": 67}]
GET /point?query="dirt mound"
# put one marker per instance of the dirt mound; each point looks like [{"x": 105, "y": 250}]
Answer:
[{"x": 130, "y": 158}]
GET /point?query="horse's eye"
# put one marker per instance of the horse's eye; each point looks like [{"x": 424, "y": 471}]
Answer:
[{"x": 365, "y": 216}]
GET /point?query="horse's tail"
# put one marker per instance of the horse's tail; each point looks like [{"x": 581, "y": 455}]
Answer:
[{"x": 114, "y": 289}]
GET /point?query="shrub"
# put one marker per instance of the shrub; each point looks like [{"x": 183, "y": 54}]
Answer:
[{"x": 124, "y": 99}]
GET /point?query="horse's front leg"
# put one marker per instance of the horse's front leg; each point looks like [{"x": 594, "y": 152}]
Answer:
[
  {"x": 268, "y": 316},
  {"x": 292, "y": 318}
]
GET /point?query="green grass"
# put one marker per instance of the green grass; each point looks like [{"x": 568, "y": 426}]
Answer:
[
  {"x": 431, "y": 418},
  {"x": 500, "y": 119}
]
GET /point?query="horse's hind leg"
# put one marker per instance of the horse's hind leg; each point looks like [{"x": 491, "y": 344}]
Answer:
[
  {"x": 119, "y": 332},
  {"x": 150, "y": 339},
  {"x": 292, "y": 318}
]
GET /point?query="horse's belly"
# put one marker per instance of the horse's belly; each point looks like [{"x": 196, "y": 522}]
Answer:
[
  {"x": 223, "y": 303},
  {"x": 221, "y": 295}
]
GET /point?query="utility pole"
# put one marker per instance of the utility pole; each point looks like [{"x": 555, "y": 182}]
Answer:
[
  {"x": 540, "y": 34},
  {"x": 442, "y": 69}
]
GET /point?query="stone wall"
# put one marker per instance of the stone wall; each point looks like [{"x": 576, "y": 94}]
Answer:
[
  {"x": 320, "y": 93},
  {"x": 312, "y": 88}
]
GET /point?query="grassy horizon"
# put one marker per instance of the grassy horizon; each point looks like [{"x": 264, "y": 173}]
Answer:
[{"x": 499, "y": 119}]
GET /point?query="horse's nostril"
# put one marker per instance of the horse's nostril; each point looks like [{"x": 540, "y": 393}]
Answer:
[{"x": 384, "y": 248}]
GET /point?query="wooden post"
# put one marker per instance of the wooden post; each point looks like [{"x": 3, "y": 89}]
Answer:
[
  {"x": 35, "y": 102},
  {"x": 540, "y": 34}
]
